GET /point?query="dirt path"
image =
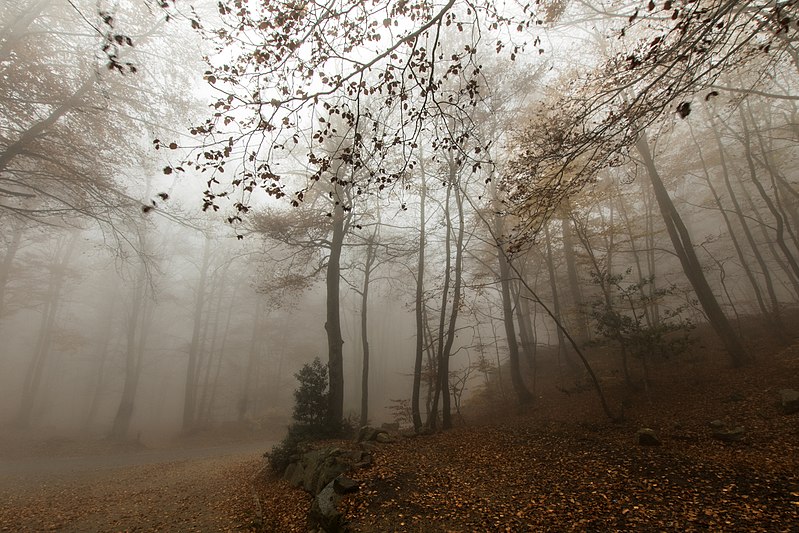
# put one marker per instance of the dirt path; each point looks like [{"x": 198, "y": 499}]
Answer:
[{"x": 195, "y": 490}]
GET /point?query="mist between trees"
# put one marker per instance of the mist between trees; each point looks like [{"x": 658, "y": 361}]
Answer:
[{"x": 438, "y": 200}]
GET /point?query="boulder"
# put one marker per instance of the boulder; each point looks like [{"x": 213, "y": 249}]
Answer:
[
  {"x": 294, "y": 474},
  {"x": 789, "y": 401},
  {"x": 370, "y": 434},
  {"x": 647, "y": 437},
  {"x": 345, "y": 485},
  {"x": 319, "y": 472},
  {"x": 383, "y": 438},
  {"x": 324, "y": 511},
  {"x": 729, "y": 434},
  {"x": 317, "y": 468},
  {"x": 717, "y": 425}
]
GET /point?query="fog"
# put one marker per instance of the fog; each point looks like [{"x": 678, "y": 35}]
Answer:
[{"x": 158, "y": 281}]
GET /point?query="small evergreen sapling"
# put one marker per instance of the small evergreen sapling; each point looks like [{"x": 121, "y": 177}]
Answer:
[
  {"x": 310, "y": 398},
  {"x": 311, "y": 421}
]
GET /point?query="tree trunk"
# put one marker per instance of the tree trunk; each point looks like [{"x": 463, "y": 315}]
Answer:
[
  {"x": 245, "y": 402},
  {"x": 553, "y": 285},
  {"x": 446, "y": 411},
  {"x": 193, "y": 364},
  {"x": 684, "y": 249},
  {"x": 41, "y": 354},
  {"x": 417, "y": 365},
  {"x": 105, "y": 320},
  {"x": 335, "y": 342},
  {"x": 775, "y": 307},
  {"x": 446, "y": 339},
  {"x": 574, "y": 281},
  {"x": 135, "y": 338},
  {"x": 523, "y": 395},
  {"x": 8, "y": 261},
  {"x": 778, "y": 218},
  {"x": 432, "y": 418},
  {"x": 367, "y": 272},
  {"x": 526, "y": 333}
]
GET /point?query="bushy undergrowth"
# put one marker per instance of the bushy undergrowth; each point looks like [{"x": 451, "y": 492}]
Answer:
[{"x": 311, "y": 420}]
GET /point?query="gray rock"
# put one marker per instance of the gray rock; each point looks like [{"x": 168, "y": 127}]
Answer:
[
  {"x": 294, "y": 474},
  {"x": 383, "y": 438},
  {"x": 789, "y": 401},
  {"x": 324, "y": 511},
  {"x": 716, "y": 424},
  {"x": 367, "y": 447},
  {"x": 317, "y": 468},
  {"x": 729, "y": 435},
  {"x": 345, "y": 485},
  {"x": 647, "y": 437},
  {"x": 368, "y": 434}
]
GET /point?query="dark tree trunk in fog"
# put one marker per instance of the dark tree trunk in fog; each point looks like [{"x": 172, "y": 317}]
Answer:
[
  {"x": 212, "y": 324},
  {"x": 569, "y": 256},
  {"x": 636, "y": 256},
  {"x": 684, "y": 249},
  {"x": 782, "y": 186},
  {"x": 780, "y": 229},
  {"x": 447, "y": 338},
  {"x": 526, "y": 332},
  {"x": 41, "y": 353},
  {"x": 105, "y": 321},
  {"x": 209, "y": 404},
  {"x": 190, "y": 395},
  {"x": 764, "y": 228},
  {"x": 432, "y": 416},
  {"x": 429, "y": 371},
  {"x": 367, "y": 274},
  {"x": 777, "y": 189},
  {"x": 138, "y": 324},
  {"x": 246, "y": 400},
  {"x": 604, "y": 279},
  {"x": 750, "y": 275},
  {"x": 553, "y": 285},
  {"x": 335, "y": 342},
  {"x": 523, "y": 395},
  {"x": 651, "y": 260},
  {"x": 577, "y": 350},
  {"x": 8, "y": 262},
  {"x": 419, "y": 311}
]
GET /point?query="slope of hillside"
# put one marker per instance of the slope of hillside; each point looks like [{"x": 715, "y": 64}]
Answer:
[{"x": 561, "y": 466}]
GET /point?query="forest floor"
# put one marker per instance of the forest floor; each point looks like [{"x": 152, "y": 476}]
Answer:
[
  {"x": 560, "y": 465},
  {"x": 211, "y": 494},
  {"x": 200, "y": 483}
]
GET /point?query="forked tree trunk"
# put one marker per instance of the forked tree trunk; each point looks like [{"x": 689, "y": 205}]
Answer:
[
  {"x": 523, "y": 395},
  {"x": 683, "y": 247}
]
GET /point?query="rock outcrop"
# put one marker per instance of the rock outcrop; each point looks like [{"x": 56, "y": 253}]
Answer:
[
  {"x": 647, "y": 437},
  {"x": 789, "y": 401}
]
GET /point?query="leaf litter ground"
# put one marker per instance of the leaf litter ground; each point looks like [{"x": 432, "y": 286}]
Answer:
[{"x": 560, "y": 467}]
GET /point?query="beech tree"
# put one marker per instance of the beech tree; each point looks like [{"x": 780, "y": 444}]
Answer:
[
  {"x": 668, "y": 55},
  {"x": 81, "y": 90}
]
